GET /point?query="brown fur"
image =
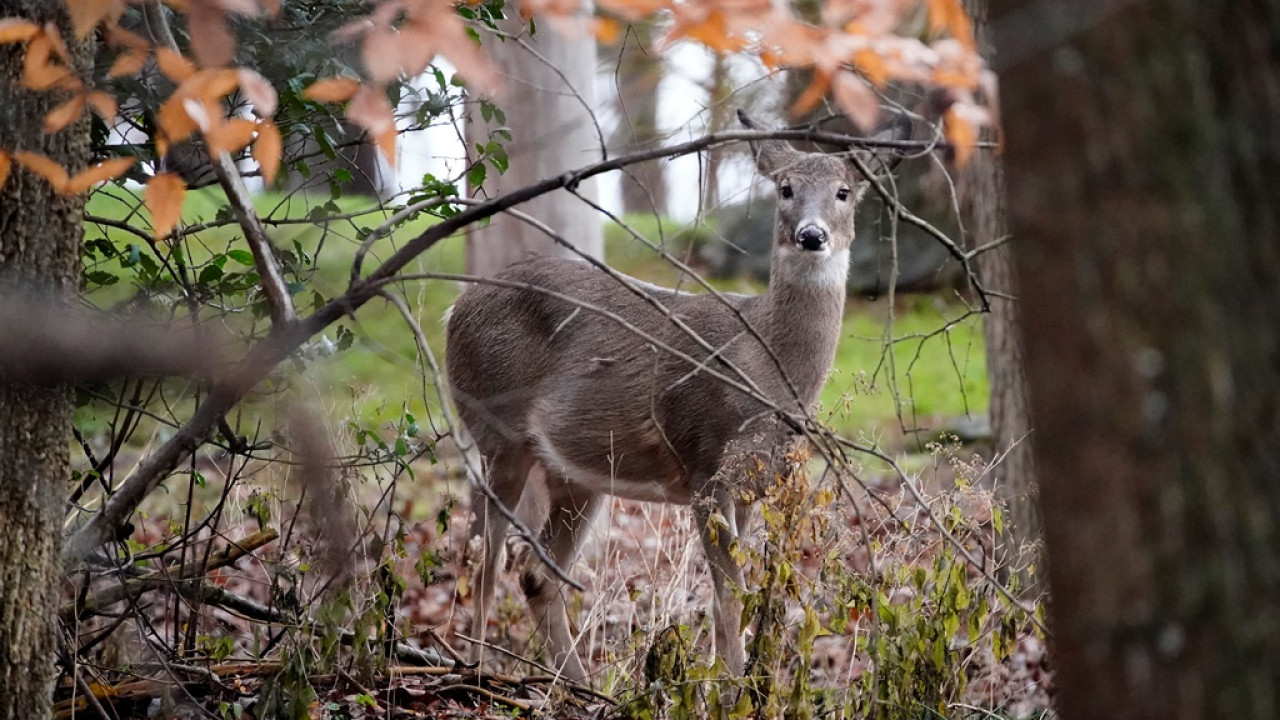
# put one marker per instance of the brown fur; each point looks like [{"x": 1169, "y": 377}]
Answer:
[{"x": 542, "y": 384}]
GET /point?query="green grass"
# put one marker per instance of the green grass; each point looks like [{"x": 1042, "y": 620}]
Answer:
[{"x": 933, "y": 369}]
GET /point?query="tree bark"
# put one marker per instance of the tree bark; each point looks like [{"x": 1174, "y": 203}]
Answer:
[
  {"x": 983, "y": 198},
  {"x": 1143, "y": 152},
  {"x": 40, "y": 233},
  {"x": 637, "y": 76},
  {"x": 548, "y": 101}
]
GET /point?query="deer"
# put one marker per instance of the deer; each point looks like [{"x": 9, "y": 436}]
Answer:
[{"x": 591, "y": 384}]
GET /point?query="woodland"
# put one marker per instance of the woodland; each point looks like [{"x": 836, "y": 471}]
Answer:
[{"x": 1041, "y": 479}]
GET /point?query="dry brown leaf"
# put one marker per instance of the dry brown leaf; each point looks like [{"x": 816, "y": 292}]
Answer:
[
  {"x": 259, "y": 91},
  {"x": 5, "y": 164},
  {"x": 63, "y": 115},
  {"x": 213, "y": 45},
  {"x": 856, "y": 99},
  {"x": 117, "y": 36},
  {"x": 211, "y": 85},
  {"x": 370, "y": 110},
  {"x": 86, "y": 14},
  {"x": 949, "y": 15},
  {"x": 163, "y": 197},
  {"x": 231, "y": 136},
  {"x": 103, "y": 104},
  {"x": 173, "y": 65},
  {"x": 332, "y": 89},
  {"x": 813, "y": 94},
  {"x": 43, "y": 166},
  {"x": 39, "y": 69},
  {"x": 383, "y": 53},
  {"x": 129, "y": 62},
  {"x": 13, "y": 30},
  {"x": 103, "y": 171},
  {"x": 268, "y": 150}
]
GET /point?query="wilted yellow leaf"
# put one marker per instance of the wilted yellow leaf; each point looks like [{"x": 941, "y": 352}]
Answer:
[
  {"x": 267, "y": 150},
  {"x": 370, "y": 110},
  {"x": 103, "y": 171},
  {"x": 13, "y": 30},
  {"x": 231, "y": 136},
  {"x": 173, "y": 65},
  {"x": 65, "y": 114},
  {"x": 86, "y": 14},
  {"x": 332, "y": 89},
  {"x": 43, "y": 166},
  {"x": 163, "y": 196},
  {"x": 103, "y": 104}
]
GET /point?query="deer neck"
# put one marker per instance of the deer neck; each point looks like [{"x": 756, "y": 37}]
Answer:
[{"x": 801, "y": 312}]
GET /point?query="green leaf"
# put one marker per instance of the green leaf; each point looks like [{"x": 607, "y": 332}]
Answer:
[
  {"x": 244, "y": 257},
  {"x": 209, "y": 274},
  {"x": 475, "y": 176}
]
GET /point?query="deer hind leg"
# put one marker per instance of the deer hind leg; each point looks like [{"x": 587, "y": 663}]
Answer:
[
  {"x": 507, "y": 472},
  {"x": 717, "y": 515},
  {"x": 572, "y": 511}
]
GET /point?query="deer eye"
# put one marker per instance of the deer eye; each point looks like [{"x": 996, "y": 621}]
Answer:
[
  {"x": 842, "y": 194},
  {"x": 786, "y": 191}
]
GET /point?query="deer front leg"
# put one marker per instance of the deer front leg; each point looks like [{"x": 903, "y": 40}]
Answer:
[
  {"x": 572, "y": 511},
  {"x": 717, "y": 516}
]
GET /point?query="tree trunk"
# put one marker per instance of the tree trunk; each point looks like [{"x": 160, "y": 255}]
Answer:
[
  {"x": 982, "y": 192},
  {"x": 637, "y": 76},
  {"x": 548, "y": 102},
  {"x": 1143, "y": 153},
  {"x": 39, "y": 253}
]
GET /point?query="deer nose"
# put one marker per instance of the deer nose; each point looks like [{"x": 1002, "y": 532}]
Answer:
[{"x": 812, "y": 237}]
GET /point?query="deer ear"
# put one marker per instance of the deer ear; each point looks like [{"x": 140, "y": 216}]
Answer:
[
  {"x": 883, "y": 161},
  {"x": 771, "y": 155}
]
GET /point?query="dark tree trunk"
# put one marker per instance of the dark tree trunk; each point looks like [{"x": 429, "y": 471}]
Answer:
[
  {"x": 1143, "y": 156},
  {"x": 637, "y": 74},
  {"x": 39, "y": 252},
  {"x": 983, "y": 196}
]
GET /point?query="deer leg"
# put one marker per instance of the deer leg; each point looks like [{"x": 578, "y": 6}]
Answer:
[
  {"x": 507, "y": 473},
  {"x": 726, "y": 575},
  {"x": 572, "y": 509}
]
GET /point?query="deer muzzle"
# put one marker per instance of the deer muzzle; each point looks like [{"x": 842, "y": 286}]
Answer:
[{"x": 811, "y": 237}]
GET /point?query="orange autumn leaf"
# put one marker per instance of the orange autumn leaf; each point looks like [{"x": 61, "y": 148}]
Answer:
[
  {"x": 43, "y": 166},
  {"x": 103, "y": 171},
  {"x": 40, "y": 70},
  {"x": 813, "y": 94},
  {"x": 607, "y": 30},
  {"x": 86, "y": 14},
  {"x": 370, "y": 110},
  {"x": 163, "y": 197},
  {"x": 949, "y": 15},
  {"x": 63, "y": 115},
  {"x": 267, "y": 150},
  {"x": 332, "y": 89},
  {"x": 962, "y": 135},
  {"x": 103, "y": 104},
  {"x": 231, "y": 136},
  {"x": 13, "y": 30},
  {"x": 173, "y": 65},
  {"x": 129, "y": 62},
  {"x": 5, "y": 164}
]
